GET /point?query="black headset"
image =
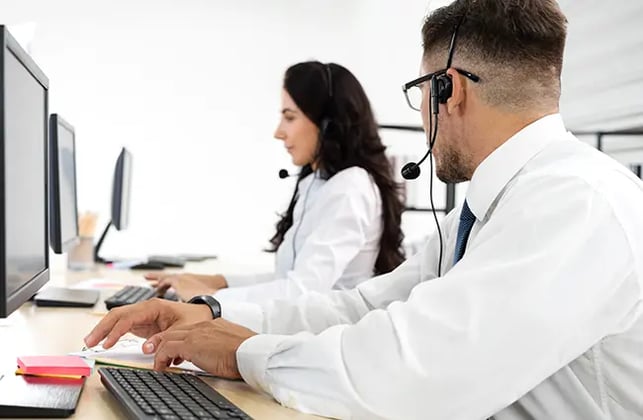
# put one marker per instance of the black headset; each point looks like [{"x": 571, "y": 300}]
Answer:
[
  {"x": 324, "y": 127},
  {"x": 441, "y": 88},
  {"x": 441, "y": 84},
  {"x": 326, "y": 120}
]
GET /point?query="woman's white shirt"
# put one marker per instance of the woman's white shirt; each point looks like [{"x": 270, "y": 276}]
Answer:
[{"x": 333, "y": 242}]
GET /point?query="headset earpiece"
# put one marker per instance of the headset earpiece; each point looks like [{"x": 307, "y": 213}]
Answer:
[
  {"x": 441, "y": 88},
  {"x": 444, "y": 87},
  {"x": 324, "y": 128}
]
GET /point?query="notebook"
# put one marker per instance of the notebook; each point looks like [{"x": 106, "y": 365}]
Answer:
[{"x": 35, "y": 396}]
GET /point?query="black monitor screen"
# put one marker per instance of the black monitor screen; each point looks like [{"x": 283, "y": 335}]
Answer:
[
  {"x": 63, "y": 211},
  {"x": 24, "y": 184}
]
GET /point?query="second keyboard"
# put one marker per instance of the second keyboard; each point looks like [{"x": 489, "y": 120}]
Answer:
[{"x": 134, "y": 294}]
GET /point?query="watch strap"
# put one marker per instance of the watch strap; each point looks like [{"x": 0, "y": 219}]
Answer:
[{"x": 213, "y": 304}]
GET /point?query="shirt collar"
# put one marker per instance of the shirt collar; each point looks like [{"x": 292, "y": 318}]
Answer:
[
  {"x": 497, "y": 169},
  {"x": 311, "y": 177}
]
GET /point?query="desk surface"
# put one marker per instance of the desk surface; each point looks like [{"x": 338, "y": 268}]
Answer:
[{"x": 37, "y": 330}]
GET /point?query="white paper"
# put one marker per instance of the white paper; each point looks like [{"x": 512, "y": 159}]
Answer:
[{"x": 128, "y": 352}]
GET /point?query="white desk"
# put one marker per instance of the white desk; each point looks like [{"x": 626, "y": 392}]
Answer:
[{"x": 37, "y": 330}]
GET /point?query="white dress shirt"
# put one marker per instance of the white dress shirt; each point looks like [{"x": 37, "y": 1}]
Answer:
[
  {"x": 336, "y": 230},
  {"x": 541, "y": 319}
]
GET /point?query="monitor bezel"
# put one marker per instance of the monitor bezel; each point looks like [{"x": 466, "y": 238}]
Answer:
[
  {"x": 55, "y": 200},
  {"x": 9, "y": 303}
]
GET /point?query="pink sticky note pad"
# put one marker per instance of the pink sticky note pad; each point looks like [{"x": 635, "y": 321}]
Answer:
[{"x": 54, "y": 365}]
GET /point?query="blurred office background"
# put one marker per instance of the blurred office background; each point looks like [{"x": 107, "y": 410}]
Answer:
[{"x": 192, "y": 88}]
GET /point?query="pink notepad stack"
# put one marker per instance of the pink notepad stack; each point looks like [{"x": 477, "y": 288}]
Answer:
[{"x": 53, "y": 366}]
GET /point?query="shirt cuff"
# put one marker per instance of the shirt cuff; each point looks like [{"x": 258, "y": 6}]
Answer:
[
  {"x": 249, "y": 315},
  {"x": 253, "y": 355}
]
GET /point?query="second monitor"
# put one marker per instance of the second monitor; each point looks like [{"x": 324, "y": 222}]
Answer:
[
  {"x": 63, "y": 211},
  {"x": 120, "y": 205},
  {"x": 120, "y": 199},
  {"x": 63, "y": 220}
]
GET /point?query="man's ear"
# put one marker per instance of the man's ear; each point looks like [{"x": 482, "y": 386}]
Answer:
[{"x": 458, "y": 92}]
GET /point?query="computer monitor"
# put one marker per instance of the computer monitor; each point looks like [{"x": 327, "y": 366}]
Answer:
[
  {"x": 63, "y": 210},
  {"x": 24, "y": 256},
  {"x": 120, "y": 198},
  {"x": 121, "y": 190}
]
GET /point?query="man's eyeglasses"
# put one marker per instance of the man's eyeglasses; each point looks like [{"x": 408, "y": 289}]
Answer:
[{"x": 413, "y": 89}]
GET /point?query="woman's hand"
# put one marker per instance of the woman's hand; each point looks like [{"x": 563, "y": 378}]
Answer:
[{"x": 187, "y": 285}]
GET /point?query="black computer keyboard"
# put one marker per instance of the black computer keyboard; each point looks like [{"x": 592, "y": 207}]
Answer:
[
  {"x": 147, "y": 394},
  {"x": 134, "y": 294}
]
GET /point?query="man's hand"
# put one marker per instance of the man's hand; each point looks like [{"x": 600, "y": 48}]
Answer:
[
  {"x": 145, "y": 319},
  {"x": 210, "y": 345},
  {"x": 187, "y": 285}
]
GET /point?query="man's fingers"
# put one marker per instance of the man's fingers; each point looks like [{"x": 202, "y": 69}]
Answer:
[
  {"x": 167, "y": 352},
  {"x": 163, "y": 284},
  {"x": 103, "y": 328},
  {"x": 153, "y": 276},
  {"x": 122, "y": 320},
  {"x": 122, "y": 327},
  {"x": 153, "y": 343}
]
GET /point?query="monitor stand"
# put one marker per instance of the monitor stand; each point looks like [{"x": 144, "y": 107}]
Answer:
[
  {"x": 153, "y": 262},
  {"x": 97, "y": 258}
]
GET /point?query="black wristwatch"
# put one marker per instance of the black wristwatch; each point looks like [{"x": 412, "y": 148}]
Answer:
[{"x": 214, "y": 305}]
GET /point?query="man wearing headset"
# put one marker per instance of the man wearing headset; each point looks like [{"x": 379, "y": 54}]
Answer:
[{"x": 535, "y": 311}]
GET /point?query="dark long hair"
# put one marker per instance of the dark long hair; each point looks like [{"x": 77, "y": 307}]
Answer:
[{"x": 348, "y": 137}]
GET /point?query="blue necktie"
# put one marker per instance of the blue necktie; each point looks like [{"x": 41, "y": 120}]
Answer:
[{"x": 464, "y": 228}]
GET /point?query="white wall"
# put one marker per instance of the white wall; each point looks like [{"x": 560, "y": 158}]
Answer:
[
  {"x": 603, "y": 67},
  {"x": 191, "y": 87},
  {"x": 603, "y": 73}
]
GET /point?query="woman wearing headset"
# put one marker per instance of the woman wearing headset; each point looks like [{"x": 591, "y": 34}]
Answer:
[{"x": 343, "y": 222}]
